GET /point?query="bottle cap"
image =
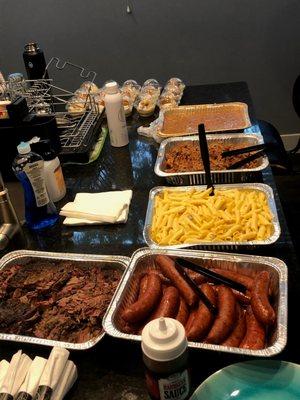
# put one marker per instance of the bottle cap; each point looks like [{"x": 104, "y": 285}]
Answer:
[
  {"x": 23, "y": 148},
  {"x": 43, "y": 148},
  {"x": 163, "y": 339},
  {"x": 31, "y": 47},
  {"x": 111, "y": 87},
  {"x": 15, "y": 77}
]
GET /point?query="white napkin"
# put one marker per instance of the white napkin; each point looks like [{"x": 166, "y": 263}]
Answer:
[
  {"x": 66, "y": 381},
  {"x": 4, "y": 365},
  {"x": 16, "y": 373},
  {"x": 34, "y": 373},
  {"x": 98, "y": 208},
  {"x": 54, "y": 367}
]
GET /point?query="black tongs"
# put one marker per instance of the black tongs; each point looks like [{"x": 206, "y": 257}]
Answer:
[
  {"x": 212, "y": 308},
  {"x": 205, "y": 157},
  {"x": 244, "y": 150},
  {"x": 260, "y": 151},
  {"x": 210, "y": 274},
  {"x": 246, "y": 160}
]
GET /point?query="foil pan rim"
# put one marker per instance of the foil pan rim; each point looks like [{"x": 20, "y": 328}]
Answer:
[
  {"x": 14, "y": 255},
  {"x": 240, "y": 104},
  {"x": 216, "y": 137},
  {"x": 258, "y": 186},
  {"x": 273, "y": 262}
]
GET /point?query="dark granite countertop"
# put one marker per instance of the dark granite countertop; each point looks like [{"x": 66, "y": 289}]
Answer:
[{"x": 113, "y": 369}]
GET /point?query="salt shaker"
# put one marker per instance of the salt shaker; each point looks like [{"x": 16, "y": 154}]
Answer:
[{"x": 165, "y": 356}]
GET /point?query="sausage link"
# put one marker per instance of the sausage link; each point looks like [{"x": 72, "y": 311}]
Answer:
[
  {"x": 163, "y": 278},
  {"x": 203, "y": 318},
  {"x": 242, "y": 298},
  {"x": 143, "y": 286},
  {"x": 167, "y": 266},
  {"x": 145, "y": 304},
  {"x": 239, "y": 331},
  {"x": 236, "y": 276},
  {"x": 260, "y": 304},
  {"x": 255, "y": 334},
  {"x": 168, "y": 306},
  {"x": 196, "y": 277},
  {"x": 226, "y": 317},
  {"x": 183, "y": 312},
  {"x": 190, "y": 320}
]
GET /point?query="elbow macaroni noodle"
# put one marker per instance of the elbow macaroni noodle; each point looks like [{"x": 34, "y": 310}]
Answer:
[{"x": 231, "y": 215}]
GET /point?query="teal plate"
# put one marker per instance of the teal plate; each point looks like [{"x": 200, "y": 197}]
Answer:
[{"x": 252, "y": 380}]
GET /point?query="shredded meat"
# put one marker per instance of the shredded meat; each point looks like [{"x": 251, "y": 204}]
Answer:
[
  {"x": 59, "y": 300},
  {"x": 185, "y": 157}
]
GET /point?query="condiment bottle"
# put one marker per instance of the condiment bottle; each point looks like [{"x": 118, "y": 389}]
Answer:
[
  {"x": 115, "y": 115},
  {"x": 54, "y": 179},
  {"x": 28, "y": 167},
  {"x": 165, "y": 356}
]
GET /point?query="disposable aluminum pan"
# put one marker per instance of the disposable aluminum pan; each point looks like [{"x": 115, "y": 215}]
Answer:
[
  {"x": 143, "y": 259},
  {"x": 218, "y": 117},
  {"x": 216, "y": 245},
  {"x": 22, "y": 257},
  {"x": 219, "y": 176}
]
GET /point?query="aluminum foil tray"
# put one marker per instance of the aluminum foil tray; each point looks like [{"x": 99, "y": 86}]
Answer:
[
  {"x": 142, "y": 260},
  {"x": 215, "y": 245},
  {"x": 220, "y": 176},
  {"x": 24, "y": 256},
  {"x": 218, "y": 117}
]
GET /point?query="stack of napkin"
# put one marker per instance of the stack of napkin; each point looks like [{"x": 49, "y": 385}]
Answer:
[
  {"x": 98, "y": 208},
  {"x": 37, "y": 379}
]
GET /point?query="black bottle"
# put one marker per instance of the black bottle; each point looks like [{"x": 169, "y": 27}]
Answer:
[{"x": 35, "y": 63}]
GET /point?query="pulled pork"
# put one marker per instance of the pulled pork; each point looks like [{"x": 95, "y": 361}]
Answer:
[{"x": 59, "y": 300}]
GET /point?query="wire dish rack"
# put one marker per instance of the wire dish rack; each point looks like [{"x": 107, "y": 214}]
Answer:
[{"x": 77, "y": 129}]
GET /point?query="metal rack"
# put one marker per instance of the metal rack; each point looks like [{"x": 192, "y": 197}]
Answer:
[{"x": 45, "y": 98}]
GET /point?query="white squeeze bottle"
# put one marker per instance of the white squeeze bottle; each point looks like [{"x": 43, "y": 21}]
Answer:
[
  {"x": 115, "y": 115},
  {"x": 165, "y": 356}
]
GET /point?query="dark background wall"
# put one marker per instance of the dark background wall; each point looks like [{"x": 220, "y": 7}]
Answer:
[{"x": 202, "y": 41}]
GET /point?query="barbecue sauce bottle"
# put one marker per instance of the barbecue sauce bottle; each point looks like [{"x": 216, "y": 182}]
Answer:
[{"x": 165, "y": 356}]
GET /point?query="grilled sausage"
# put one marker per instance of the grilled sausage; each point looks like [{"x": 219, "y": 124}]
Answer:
[
  {"x": 168, "y": 306},
  {"x": 255, "y": 334},
  {"x": 167, "y": 266},
  {"x": 145, "y": 304},
  {"x": 163, "y": 278},
  {"x": 190, "y": 320},
  {"x": 260, "y": 304},
  {"x": 236, "y": 276},
  {"x": 242, "y": 298},
  {"x": 143, "y": 285},
  {"x": 196, "y": 277},
  {"x": 239, "y": 331},
  {"x": 202, "y": 319},
  {"x": 183, "y": 312},
  {"x": 226, "y": 317}
]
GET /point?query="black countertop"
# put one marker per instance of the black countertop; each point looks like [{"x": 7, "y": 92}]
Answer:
[{"x": 113, "y": 369}]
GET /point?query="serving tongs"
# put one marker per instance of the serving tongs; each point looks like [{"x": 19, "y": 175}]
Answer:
[
  {"x": 212, "y": 308},
  {"x": 259, "y": 149},
  {"x": 215, "y": 277},
  {"x": 248, "y": 149},
  {"x": 205, "y": 157}
]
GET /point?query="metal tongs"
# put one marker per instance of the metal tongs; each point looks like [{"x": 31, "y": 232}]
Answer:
[{"x": 260, "y": 151}]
